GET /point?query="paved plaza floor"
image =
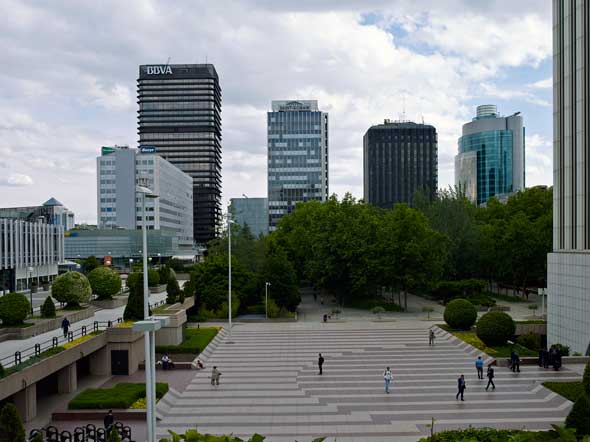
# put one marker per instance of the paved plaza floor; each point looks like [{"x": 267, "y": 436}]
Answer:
[{"x": 270, "y": 385}]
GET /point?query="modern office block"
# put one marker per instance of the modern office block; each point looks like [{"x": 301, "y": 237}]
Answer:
[
  {"x": 252, "y": 212},
  {"x": 490, "y": 161},
  {"x": 180, "y": 115},
  {"x": 399, "y": 158},
  {"x": 29, "y": 251},
  {"x": 119, "y": 169},
  {"x": 52, "y": 212},
  {"x": 568, "y": 267},
  {"x": 297, "y": 156}
]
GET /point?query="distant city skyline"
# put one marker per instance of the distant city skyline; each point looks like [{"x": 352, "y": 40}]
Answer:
[{"x": 66, "y": 92}]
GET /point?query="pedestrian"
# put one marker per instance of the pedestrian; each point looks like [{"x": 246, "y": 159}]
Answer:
[
  {"x": 515, "y": 362},
  {"x": 557, "y": 360},
  {"x": 542, "y": 357},
  {"x": 490, "y": 375},
  {"x": 109, "y": 420},
  {"x": 65, "y": 326},
  {"x": 479, "y": 367},
  {"x": 215, "y": 374},
  {"x": 431, "y": 337},
  {"x": 549, "y": 356},
  {"x": 461, "y": 386},
  {"x": 388, "y": 377},
  {"x": 320, "y": 362}
]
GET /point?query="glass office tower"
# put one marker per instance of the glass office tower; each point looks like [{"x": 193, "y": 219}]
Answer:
[
  {"x": 491, "y": 155},
  {"x": 297, "y": 156},
  {"x": 180, "y": 115}
]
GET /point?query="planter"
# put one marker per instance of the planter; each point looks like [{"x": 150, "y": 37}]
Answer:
[{"x": 115, "y": 302}]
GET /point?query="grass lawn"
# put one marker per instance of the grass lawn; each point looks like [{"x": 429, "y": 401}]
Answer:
[
  {"x": 195, "y": 341},
  {"x": 502, "y": 351},
  {"x": 121, "y": 396},
  {"x": 569, "y": 390},
  {"x": 369, "y": 303}
]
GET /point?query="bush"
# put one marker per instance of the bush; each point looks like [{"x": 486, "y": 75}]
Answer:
[
  {"x": 91, "y": 263},
  {"x": 495, "y": 328},
  {"x": 11, "y": 426},
  {"x": 273, "y": 309},
  {"x": 563, "y": 350},
  {"x": 48, "y": 308},
  {"x": 531, "y": 341},
  {"x": 114, "y": 435},
  {"x": 181, "y": 296},
  {"x": 460, "y": 314},
  {"x": 165, "y": 273},
  {"x": 586, "y": 379},
  {"x": 120, "y": 396},
  {"x": 134, "y": 308},
  {"x": 105, "y": 282},
  {"x": 173, "y": 291},
  {"x": 579, "y": 417},
  {"x": 14, "y": 308},
  {"x": 72, "y": 288},
  {"x": 153, "y": 278}
]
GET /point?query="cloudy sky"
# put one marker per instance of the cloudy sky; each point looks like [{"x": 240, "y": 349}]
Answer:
[{"x": 69, "y": 70}]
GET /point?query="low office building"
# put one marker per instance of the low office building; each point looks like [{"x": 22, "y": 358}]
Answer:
[
  {"x": 251, "y": 212},
  {"x": 52, "y": 212},
  {"x": 119, "y": 169},
  {"x": 29, "y": 252}
]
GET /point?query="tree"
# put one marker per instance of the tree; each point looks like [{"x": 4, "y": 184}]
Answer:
[
  {"x": 134, "y": 308},
  {"x": 173, "y": 291},
  {"x": 586, "y": 379},
  {"x": 14, "y": 308},
  {"x": 579, "y": 416},
  {"x": 105, "y": 282},
  {"x": 284, "y": 285},
  {"x": 48, "y": 308},
  {"x": 91, "y": 263},
  {"x": 165, "y": 272},
  {"x": 11, "y": 426},
  {"x": 72, "y": 288}
]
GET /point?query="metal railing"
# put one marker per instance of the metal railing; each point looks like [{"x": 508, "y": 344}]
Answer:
[
  {"x": 22, "y": 356},
  {"x": 88, "y": 433}
]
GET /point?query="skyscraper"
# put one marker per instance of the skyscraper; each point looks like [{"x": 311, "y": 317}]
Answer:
[
  {"x": 568, "y": 267},
  {"x": 251, "y": 212},
  {"x": 490, "y": 161},
  {"x": 297, "y": 156},
  {"x": 180, "y": 115},
  {"x": 399, "y": 158}
]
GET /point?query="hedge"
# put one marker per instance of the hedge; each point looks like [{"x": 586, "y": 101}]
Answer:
[
  {"x": 105, "y": 282},
  {"x": 121, "y": 396},
  {"x": 530, "y": 340},
  {"x": 495, "y": 328},
  {"x": 195, "y": 341},
  {"x": 460, "y": 314},
  {"x": 14, "y": 308}
]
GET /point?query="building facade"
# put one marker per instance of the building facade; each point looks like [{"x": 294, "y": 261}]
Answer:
[
  {"x": 180, "y": 115},
  {"x": 52, "y": 212},
  {"x": 252, "y": 212},
  {"x": 119, "y": 169},
  {"x": 29, "y": 253},
  {"x": 490, "y": 161},
  {"x": 297, "y": 156},
  {"x": 399, "y": 158},
  {"x": 568, "y": 267}
]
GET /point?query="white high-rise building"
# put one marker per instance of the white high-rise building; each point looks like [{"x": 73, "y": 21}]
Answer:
[
  {"x": 119, "y": 169},
  {"x": 568, "y": 269}
]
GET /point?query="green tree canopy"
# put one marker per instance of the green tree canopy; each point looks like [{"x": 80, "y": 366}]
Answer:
[{"x": 72, "y": 288}]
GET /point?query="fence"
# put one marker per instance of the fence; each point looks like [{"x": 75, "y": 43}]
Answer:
[{"x": 88, "y": 433}]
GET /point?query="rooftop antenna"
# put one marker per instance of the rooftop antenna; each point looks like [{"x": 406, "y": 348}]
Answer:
[
  {"x": 168, "y": 61},
  {"x": 404, "y": 107}
]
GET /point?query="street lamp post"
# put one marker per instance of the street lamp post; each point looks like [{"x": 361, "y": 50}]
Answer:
[
  {"x": 149, "y": 337},
  {"x": 229, "y": 223},
  {"x": 266, "y": 285}
]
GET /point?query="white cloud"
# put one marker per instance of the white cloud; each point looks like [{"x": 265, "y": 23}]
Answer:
[
  {"x": 16, "y": 180},
  {"x": 507, "y": 94},
  {"x": 547, "y": 83}
]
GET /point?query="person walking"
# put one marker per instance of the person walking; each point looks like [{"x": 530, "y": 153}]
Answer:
[
  {"x": 215, "y": 374},
  {"x": 108, "y": 421},
  {"x": 388, "y": 377},
  {"x": 461, "y": 386},
  {"x": 479, "y": 367},
  {"x": 65, "y": 326},
  {"x": 490, "y": 375},
  {"x": 431, "y": 337},
  {"x": 515, "y": 362},
  {"x": 542, "y": 356},
  {"x": 321, "y": 363}
]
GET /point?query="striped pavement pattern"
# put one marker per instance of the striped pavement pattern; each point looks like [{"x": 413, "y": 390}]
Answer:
[{"x": 270, "y": 385}]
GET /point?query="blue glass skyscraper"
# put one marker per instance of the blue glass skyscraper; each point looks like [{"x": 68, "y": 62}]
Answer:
[{"x": 491, "y": 155}]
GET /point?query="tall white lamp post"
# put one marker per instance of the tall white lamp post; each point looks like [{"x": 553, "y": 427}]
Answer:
[
  {"x": 229, "y": 223},
  {"x": 266, "y": 285}
]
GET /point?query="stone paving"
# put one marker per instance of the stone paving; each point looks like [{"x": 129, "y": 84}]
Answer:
[{"x": 270, "y": 385}]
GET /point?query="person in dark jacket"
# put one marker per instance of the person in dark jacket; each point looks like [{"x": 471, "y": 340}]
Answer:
[
  {"x": 320, "y": 363},
  {"x": 461, "y": 386},
  {"x": 65, "y": 326},
  {"x": 490, "y": 375},
  {"x": 542, "y": 356},
  {"x": 515, "y": 362},
  {"x": 109, "y": 420}
]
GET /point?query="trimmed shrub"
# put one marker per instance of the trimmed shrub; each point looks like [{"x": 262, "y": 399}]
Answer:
[
  {"x": 72, "y": 288},
  {"x": 172, "y": 290},
  {"x": 181, "y": 296},
  {"x": 134, "y": 308},
  {"x": 105, "y": 282},
  {"x": 91, "y": 263},
  {"x": 165, "y": 273},
  {"x": 11, "y": 426},
  {"x": 14, "y": 308},
  {"x": 531, "y": 341},
  {"x": 153, "y": 278},
  {"x": 579, "y": 417},
  {"x": 48, "y": 308},
  {"x": 495, "y": 328},
  {"x": 114, "y": 435},
  {"x": 586, "y": 379},
  {"x": 460, "y": 314}
]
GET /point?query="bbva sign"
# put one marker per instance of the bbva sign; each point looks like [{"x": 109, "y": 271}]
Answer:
[{"x": 158, "y": 70}]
